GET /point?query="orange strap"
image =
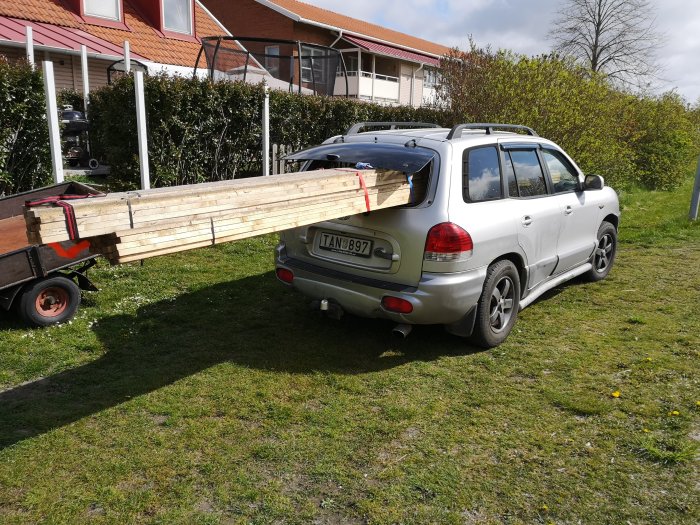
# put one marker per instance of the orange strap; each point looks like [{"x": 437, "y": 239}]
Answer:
[{"x": 364, "y": 187}]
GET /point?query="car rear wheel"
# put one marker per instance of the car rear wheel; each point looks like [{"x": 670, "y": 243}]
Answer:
[
  {"x": 498, "y": 305},
  {"x": 604, "y": 254}
]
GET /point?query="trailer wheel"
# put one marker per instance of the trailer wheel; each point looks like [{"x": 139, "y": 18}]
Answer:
[{"x": 49, "y": 301}]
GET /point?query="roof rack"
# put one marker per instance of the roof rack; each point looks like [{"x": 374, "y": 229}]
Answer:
[
  {"x": 456, "y": 132},
  {"x": 355, "y": 128}
]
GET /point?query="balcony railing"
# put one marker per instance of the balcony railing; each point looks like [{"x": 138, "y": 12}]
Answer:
[
  {"x": 368, "y": 74},
  {"x": 364, "y": 85}
]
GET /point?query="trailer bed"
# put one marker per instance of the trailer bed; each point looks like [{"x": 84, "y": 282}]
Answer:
[{"x": 13, "y": 234}]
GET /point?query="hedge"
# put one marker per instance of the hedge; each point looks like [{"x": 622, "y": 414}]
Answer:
[
  {"x": 201, "y": 131},
  {"x": 25, "y": 156}
]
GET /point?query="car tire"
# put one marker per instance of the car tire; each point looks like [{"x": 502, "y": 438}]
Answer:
[
  {"x": 498, "y": 305},
  {"x": 604, "y": 254},
  {"x": 49, "y": 301}
]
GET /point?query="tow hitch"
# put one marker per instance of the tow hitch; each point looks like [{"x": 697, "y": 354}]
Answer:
[{"x": 329, "y": 308}]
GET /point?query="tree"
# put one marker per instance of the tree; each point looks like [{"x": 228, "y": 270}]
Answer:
[{"x": 617, "y": 38}]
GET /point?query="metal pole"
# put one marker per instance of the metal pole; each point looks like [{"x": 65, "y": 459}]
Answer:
[
  {"x": 141, "y": 125},
  {"x": 695, "y": 199},
  {"x": 266, "y": 130},
  {"x": 127, "y": 57},
  {"x": 52, "y": 118},
  {"x": 30, "y": 46},
  {"x": 86, "y": 81}
]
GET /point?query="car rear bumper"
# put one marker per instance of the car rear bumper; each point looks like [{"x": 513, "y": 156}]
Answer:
[{"x": 438, "y": 298}]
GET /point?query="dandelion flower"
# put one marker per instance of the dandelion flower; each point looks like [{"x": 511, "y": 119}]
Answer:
[
  {"x": 697, "y": 403},
  {"x": 674, "y": 413},
  {"x": 648, "y": 358},
  {"x": 646, "y": 430},
  {"x": 616, "y": 393}
]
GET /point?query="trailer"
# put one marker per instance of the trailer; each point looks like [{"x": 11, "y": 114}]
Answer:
[{"x": 42, "y": 282}]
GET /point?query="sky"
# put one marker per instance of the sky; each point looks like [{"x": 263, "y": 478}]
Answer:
[{"x": 522, "y": 26}]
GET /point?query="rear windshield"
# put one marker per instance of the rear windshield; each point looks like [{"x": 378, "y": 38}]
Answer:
[
  {"x": 414, "y": 162},
  {"x": 378, "y": 156}
]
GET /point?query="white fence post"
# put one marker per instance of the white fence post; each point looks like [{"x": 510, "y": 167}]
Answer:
[
  {"x": 52, "y": 118},
  {"x": 30, "y": 45},
  {"x": 266, "y": 130},
  {"x": 141, "y": 125},
  {"x": 695, "y": 199},
  {"x": 127, "y": 57},
  {"x": 86, "y": 81}
]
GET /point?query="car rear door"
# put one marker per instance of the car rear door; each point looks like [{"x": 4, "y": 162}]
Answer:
[{"x": 537, "y": 215}]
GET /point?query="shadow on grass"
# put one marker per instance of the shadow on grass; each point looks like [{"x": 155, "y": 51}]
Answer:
[{"x": 254, "y": 322}]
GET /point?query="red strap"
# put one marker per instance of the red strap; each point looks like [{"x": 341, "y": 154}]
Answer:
[
  {"x": 54, "y": 199},
  {"x": 68, "y": 212},
  {"x": 364, "y": 187}
]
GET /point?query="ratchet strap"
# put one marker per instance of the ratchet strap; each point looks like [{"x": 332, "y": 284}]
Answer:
[
  {"x": 364, "y": 187},
  {"x": 68, "y": 212}
]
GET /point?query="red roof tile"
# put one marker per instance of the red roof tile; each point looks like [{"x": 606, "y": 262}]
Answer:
[
  {"x": 359, "y": 27},
  {"x": 57, "y": 37},
  {"x": 145, "y": 41}
]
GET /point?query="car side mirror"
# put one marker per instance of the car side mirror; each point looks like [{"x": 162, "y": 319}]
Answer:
[{"x": 593, "y": 182}]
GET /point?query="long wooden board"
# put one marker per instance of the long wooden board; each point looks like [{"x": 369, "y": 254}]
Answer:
[{"x": 136, "y": 225}]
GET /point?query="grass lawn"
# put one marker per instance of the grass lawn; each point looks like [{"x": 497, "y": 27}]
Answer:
[{"x": 197, "y": 389}]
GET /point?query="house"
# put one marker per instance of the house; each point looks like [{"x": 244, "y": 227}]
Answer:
[
  {"x": 383, "y": 65},
  {"x": 163, "y": 35}
]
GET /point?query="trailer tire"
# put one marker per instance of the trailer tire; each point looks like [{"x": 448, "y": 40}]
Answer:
[{"x": 49, "y": 301}]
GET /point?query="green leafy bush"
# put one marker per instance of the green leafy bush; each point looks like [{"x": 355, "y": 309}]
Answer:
[
  {"x": 629, "y": 139},
  {"x": 25, "y": 157}
]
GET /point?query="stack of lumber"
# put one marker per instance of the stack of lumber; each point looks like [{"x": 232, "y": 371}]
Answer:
[{"x": 136, "y": 225}]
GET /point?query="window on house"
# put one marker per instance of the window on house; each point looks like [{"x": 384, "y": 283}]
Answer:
[
  {"x": 313, "y": 59},
  {"x": 430, "y": 78},
  {"x": 177, "y": 16},
  {"x": 272, "y": 60},
  {"x": 109, "y": 9}
]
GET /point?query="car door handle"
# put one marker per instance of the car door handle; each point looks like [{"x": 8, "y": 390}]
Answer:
[
  {"x": 527, "y": 220},
  {"x": 568, "y": 210}
]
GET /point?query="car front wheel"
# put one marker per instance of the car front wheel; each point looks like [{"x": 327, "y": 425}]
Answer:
[
  {"x": 604, "y": 254},
  {"x": 498, "y": 305}
]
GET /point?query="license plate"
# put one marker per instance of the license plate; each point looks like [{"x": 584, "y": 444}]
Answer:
[{"x": 344, "y": 244}]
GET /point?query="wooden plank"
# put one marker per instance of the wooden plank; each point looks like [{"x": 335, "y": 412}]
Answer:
[
  {"x": 225, "y": 225},
  {"x": 55, "y": 232},
  {"x": 199, "y": 235}
]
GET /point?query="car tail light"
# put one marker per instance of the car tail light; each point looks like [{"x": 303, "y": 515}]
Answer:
[
  {"x": 396, "y": 304},
  {"x": 448, "y": 242},
  {"x": 284, "y": 275}
]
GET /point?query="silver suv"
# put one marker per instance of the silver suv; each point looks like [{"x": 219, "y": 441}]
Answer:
[{"x": 505, "y": 217}]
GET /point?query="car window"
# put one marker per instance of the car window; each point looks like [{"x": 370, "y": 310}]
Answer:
[
  {"x": 563, "y": 175},
  {"x": 510, "y": 176},
  {"x": 481, "y": 174},
  {"x": 528, "y": 173}
]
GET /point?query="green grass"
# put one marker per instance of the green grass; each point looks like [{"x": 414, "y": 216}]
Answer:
[{"x": 197, "y": 389}]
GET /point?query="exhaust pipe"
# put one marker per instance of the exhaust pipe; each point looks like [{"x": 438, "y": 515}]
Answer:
[{"x": 402, "y": 330}]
